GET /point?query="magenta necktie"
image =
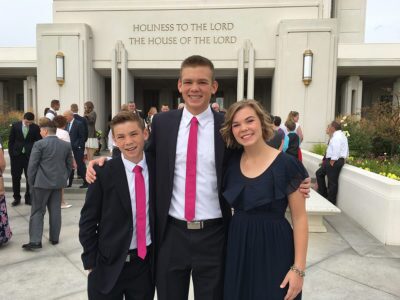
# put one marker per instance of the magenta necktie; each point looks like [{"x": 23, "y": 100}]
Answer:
[
  {"x": 140, "y": 193},
  {"x": 191, "y": 158}
]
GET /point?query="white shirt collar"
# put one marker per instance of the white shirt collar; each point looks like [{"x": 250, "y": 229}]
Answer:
[
  {"x": 130, "y": 165},
  {"x": 203, "y": 118}
]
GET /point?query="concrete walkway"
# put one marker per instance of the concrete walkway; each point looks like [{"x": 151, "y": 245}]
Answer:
[{"x": 344, "y": 263}]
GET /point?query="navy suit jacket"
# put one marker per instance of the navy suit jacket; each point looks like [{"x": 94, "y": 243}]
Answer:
[
  {"x": 162, "y": 145},
  {"x": 84, "y": 122},
  {"x": 17, "y": 142},
  {"x": 77, "y": 135}
]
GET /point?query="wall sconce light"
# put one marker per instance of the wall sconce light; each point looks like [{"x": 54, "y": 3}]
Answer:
[
  {"x": 60, "y": 74},
  {"x": 307, "y": 67}
]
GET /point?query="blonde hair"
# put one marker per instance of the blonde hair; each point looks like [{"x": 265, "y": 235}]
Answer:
[
  {"x": 292, "y": 114},
  {"x": 263, "y": 116}
]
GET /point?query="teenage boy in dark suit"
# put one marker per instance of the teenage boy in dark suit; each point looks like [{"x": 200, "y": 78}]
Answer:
[{"x": 117, "y": 219}]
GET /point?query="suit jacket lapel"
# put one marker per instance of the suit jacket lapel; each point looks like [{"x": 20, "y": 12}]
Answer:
[
  {"x": 122, "y": 187},
  {"x": 219, "y": 146},
  {"x": 175, "y": 122}
]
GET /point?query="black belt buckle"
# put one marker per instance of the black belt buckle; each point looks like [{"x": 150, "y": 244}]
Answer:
[{"x": 195, "y": 225}]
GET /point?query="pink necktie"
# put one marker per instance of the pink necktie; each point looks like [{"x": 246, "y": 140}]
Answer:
[
  {"x": 191, "y": 158},
  {"x": 140, "y": 193}
]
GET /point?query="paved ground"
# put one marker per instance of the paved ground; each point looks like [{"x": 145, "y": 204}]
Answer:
[{"x": 344, "y": 263}]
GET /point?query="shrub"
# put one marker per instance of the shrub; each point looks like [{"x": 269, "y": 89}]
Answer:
[
  {"x": 6, "y": 121},
  {"x": 319, "y": 149}
]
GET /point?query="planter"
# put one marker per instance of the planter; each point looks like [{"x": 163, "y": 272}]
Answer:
[{"x": 370, "y": 199}]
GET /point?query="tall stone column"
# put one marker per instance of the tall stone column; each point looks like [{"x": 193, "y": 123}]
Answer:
[
  {"x": 115, "y": 81},
  {"x": 396, "y": 92},
  {"x": 127, "y": 83},
  {"x": 351, "y": 96},
  {"x": 1, "y": 96}
]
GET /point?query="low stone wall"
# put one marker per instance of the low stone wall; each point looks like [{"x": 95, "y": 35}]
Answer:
[{"x": 370, "y": 199}]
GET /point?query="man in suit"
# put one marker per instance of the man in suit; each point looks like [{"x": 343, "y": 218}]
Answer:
[
  {"x": 54, "y": 107},
  {"x": 190, "y": 242},
  {"x": 83, "y": 120},
  {"x": 22, "y": 136},
  {"x": 76, "y": 131},
  {"x": 49, "y": 166},
  {"x": 132, "y": 108},
  {"x": 75, "y": 109},
  {"x": 117, "y": 219}
]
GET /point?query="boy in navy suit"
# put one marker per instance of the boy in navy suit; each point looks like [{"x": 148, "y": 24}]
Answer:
[{"x": 117, "y": 221}]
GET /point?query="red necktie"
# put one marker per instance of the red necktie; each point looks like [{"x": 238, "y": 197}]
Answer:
[
  {"x": 191, "y": 158},
  {"x": 140, "y": 193}
]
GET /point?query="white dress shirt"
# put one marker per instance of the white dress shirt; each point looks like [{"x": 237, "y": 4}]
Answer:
[
  {"x": 338, "y": 146},
  {"x": 207, "y": 202},
  {"x": 50, "y": 115},
  {"x": 131, "y": 182},
  {"x": 62, "y": 134}
]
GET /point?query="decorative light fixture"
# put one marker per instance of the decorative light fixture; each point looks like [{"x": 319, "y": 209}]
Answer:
[
  {"x": 60, "y": 74},
  {"x": 307, "y": 67}
]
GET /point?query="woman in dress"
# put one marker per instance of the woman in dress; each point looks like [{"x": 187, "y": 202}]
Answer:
[
  {"x": 60, "y": 122},
  {"x": 92, "y": 143},
  {"x": 266, "y": 258},
  {"x": 5, "y": 231}
]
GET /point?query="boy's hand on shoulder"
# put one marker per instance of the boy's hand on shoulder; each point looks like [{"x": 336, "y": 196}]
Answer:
[{"x": 90, "y": 172}]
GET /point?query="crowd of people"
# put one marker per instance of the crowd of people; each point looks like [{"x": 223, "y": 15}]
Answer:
[{"x": 186, "y": 171}]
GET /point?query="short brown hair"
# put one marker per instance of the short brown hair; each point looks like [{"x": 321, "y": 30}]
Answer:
[
  {"x": 74, "y": 107},
  {"x": 197, "y": 61},
  {"x": 290, "y": 125},
  {"x": 60, "y": 121},
  {"x": 336, "y": 125},
  {"x": 126, "y": 116},
  {"x": 265, "y": 120}
]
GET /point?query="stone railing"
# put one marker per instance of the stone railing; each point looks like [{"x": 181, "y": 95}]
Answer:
[{"x": 370, "y": 199}]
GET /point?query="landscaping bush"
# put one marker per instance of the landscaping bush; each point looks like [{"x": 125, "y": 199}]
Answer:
[{"x": 6, "y": 120}]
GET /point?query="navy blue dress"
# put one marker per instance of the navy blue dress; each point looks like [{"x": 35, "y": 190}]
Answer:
[{"x": 260, "y": 247}]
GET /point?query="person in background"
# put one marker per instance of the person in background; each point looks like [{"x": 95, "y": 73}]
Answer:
[
  {"x": 132, "y": 108},
  {"x": 278, "y": 138},
  {"x": 23, "y": 135},
  {"x": 75, "y": 109},
  {"x": 152, "y": 111},
  {"x": 92, "y": 143},
  {"x": 77, "y": 135},
  {"x": 5, "y": 229},
  {"x": 60, "y": 122},
  {"x": 164, "y": 108},
  {"x": 49, "y": 167},
  {"x": 292, "y": 141},
  {"x": 52, "y": 111},
  {"x": 181, "y": 105},
  {"x": 265, "y": 258},
  {"x": 335, "y": 158},
  {"x": 294, "y": 116}
]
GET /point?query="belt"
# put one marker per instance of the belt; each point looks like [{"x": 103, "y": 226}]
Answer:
[
  {"x": 194, "y": 225},
  {"x": 132, "y": 255}
]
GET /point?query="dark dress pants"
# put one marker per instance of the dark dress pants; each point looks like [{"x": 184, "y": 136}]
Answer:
[
  {"x": 134, "y": 283},
  {"x": 185, "y": 252},
  {"x": 79, "y": 157},
  {"x": 19, "y": 164},
  {"x": 332, "y": 172}
]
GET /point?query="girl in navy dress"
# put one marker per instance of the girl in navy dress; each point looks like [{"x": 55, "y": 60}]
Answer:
[{"x": 266, "y": 258}]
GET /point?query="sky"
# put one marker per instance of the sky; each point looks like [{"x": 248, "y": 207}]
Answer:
[{"x": 18, "y": 19}]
